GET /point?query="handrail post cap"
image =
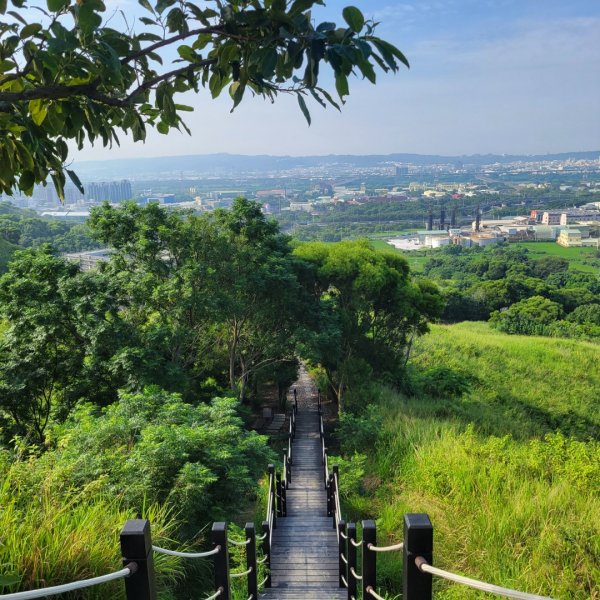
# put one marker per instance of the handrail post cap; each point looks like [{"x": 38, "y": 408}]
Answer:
[{"x": 136, "y": 540}]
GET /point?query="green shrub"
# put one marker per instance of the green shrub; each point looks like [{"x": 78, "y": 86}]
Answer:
[
  {"x": 443, "y": 382},
  {"x": 153, "y": 447}
]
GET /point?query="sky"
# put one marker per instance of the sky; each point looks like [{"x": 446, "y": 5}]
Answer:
[{"x": 486, "y": 76}]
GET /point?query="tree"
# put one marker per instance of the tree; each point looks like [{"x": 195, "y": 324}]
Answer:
[
  {"x": 528, "y": 317},
  {"x": 65, "y": 74},
  {"x": 377, "y": 308},
  {"x": 208, "y": 293},
  {"x": 63, "y": 331}
]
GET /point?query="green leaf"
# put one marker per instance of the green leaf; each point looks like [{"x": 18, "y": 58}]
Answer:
[
  {"x": 88, "y": 19},
  {"x": 300, "y": 6},
  {"x": 341, "y": 85},
  {"x": 163, "y": 127},
  {"x": 57, "y": 5},
  {"x": 6, "y": 65},
  {"x": 146, "y": 5},
  {"x": 30, "y": 30},
  {"x": 354, "y": 18},
  {"x": 3, "y": 5},
  {"x": 187, "y": 53},
  {"x": 73, "y": 177},
  {"x": 304, "y": 108},
  {"x": 38, "y": 111}
]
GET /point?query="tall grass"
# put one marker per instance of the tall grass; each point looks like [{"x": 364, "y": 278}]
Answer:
[
  {"x": 48, "y": 538},
  {"x": 509, "y": 473}
]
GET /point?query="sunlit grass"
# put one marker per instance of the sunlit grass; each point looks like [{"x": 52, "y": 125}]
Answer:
[
  {"x": 509, "y": 474},
  {"x": 49, "y": 538}
]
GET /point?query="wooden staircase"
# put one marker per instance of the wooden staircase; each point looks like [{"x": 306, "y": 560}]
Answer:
[{"x": 304, "y": 550}]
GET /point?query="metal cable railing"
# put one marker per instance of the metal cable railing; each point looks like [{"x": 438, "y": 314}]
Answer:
[{"x": 71, "y": 587}]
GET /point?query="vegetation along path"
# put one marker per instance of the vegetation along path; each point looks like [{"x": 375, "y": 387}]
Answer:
[{"x": 304, "y": 562}]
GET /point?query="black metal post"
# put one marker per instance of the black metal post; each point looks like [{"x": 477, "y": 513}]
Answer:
[
  {"x": 418, "y": 541},
  {"x": 369, "y": 558},
  {"x": 219, "y": 538},
  {"x": 330, "y": 509},
  {"x": 319, "y": 401},
  {"x": 271, "y": 470},
  {"x": 288, "y": 471},
  {"x": 352, "y": 564},
  {"x": 266, "y": 548},
  {"x": 284, "y": 499},
  {"x": 251, "y": 563},
  {"x": 279, "y": 496},
  {"x": 136, "y": 547},
  {"x": 342, "y": 552}
]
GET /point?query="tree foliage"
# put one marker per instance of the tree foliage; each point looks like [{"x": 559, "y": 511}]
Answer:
[
  {"x": 68, "y": 73},
  {"x": 376, "y": 310}
]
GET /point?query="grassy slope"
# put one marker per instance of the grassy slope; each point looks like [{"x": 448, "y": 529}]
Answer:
[
  {"x": 511, "y": 503},
  {"x": 580, "y": 259}
]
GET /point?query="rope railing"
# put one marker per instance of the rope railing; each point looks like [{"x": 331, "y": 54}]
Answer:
[
  {"x": 425, "y": 567},
  {"x": 418, "y": 572},
  {"x": 237, "y": 543},
  {"x": 242, "y": 574},
  {"x": 186, "y": 554},
  {"x": 373, "y": 593},
  {"x": 71, "y": 587},
  {"x": 138, "y": 551},
  {"x": 395, "y": 548}
]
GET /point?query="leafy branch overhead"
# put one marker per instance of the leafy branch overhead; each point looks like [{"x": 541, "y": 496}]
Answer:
[{"x": 68, "y": 72}]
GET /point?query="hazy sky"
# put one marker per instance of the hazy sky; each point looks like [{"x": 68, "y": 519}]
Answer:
[{"x": 501, "y": 76}]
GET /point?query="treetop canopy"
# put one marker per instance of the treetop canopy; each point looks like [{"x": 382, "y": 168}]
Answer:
[{"x": 67, "y": 72}]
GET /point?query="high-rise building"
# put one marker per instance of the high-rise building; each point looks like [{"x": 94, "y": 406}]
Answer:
[{"x": 113, "y": 191}]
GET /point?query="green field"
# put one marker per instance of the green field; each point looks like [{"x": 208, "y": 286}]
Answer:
[
  {"x": 509, "y": 472},
  {"x": 581, "y": 259},
  {"x": 416, "y": 260}
]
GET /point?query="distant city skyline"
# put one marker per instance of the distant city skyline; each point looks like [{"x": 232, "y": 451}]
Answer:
[{"x": 496, "y": 76}]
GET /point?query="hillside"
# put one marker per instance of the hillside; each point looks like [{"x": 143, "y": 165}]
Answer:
[
  {"x": 509, "y": 471},
  {"x": 240, "y": 163}
]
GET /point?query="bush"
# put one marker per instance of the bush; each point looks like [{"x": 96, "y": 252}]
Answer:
[
  {"x": 359, "y": 432},
  {"x": 443, "y": 382},
  {"x": 527, "y": 317},
  {"x": 153, "y": 447}
]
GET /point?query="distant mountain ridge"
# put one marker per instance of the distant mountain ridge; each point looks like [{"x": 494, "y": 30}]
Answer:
[{"x": 240, "y": 164}]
